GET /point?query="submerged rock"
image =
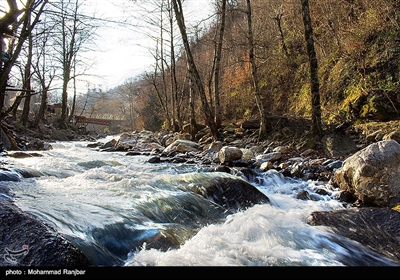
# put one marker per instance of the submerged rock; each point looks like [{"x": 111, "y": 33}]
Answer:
[
  {"x": 226, "y": 190},
  {"x": 9, "y": 175}
]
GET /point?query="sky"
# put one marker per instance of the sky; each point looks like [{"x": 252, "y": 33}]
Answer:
[{"x": 123, "y": 51}]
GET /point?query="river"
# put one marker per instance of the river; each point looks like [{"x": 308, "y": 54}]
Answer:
[{"x": 106, "y": 203}]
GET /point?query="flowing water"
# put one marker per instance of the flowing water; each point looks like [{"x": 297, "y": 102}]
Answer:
[{"x": 108, "y": 203}]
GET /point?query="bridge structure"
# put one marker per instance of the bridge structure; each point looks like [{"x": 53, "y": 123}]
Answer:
[{"x": 86, "y": 120}]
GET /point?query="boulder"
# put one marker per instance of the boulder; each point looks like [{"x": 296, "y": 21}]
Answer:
[
  {"x": 274, "y": 156},
  {"x": 26, "y": 241},
  {"x": 225, "y": 192},
  {"x": 143, "y": 141},
  {"x": 372, "y": 174},
  {"x": 216, "y": 146},
  {"x": 375, "y": 228},
  {"x": 228, "y": 191},
  {"x": 7, "y": 142},
  {"x": 9, "y": 175},
  {"x": 229, "y": 154},
  {"x": 247, "y": 154},
  {"x": 61, "y": 135},
  {"x": 20, "y": 154},
  {"x": 181, "y": 146}
]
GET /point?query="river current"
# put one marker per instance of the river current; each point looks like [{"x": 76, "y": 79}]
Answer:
[{"x": 107, "y": 203}]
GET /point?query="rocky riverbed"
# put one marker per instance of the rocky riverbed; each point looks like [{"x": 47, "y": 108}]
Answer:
[{"x": 363, "y": 167}]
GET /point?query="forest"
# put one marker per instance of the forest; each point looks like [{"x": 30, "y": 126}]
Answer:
[{"x": 329, "y": 62}]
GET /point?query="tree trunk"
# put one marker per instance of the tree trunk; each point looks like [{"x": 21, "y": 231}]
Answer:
[
  {"x": 170, "y": 120},
  {"x": 27, "y": 82},
  {"x": 66, "y": 62},
  {"x": 278, "y": 19},
  {"x": 193, "y": 124},
  {"x": 316, "y": 122},
  {"x": 72, "y": 40},
  {"x": 64, "y": 98},
  {"x": 218, "y": 54},
  {"x": 177, "y": 123},
  {"x": 5, "y": 22},
  {"x": 72, "y": 111},
  {"x": 263, "y": 124},
  {"x": 43, "y": 106},
  {"x": 160, "y": 96},
  {"x": 193, "y": 72}
]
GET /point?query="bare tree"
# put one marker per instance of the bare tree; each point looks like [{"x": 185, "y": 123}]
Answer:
[
  {"x": 193, "y": 124},
  {"x": 5, "y": 25},
  {"x": 263, "y": 124},
  {"x": 157, "y": 81},
  {"x": 11, "y": 24},
  {"x": 278, "y": 19},
  {"x": 174, "y": 83},
  {"x": 217, "y": 70},
  {"x": 316, "y": 122},
  {"x": 72, "y": 33},
  {"x": 159, "y": 24},
  {"x": 128, "y": 92},
  {"x": 27, "y": 80},
  {"x": 44, "y": 71},
  {"x": 193, "y": 72}
]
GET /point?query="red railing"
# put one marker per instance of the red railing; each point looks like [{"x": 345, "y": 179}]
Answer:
[{"x": 83, "y": 119}]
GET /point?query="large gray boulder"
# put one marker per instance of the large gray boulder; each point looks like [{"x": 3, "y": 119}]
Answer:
[
  {"x": 372, "y": 174},
  {"x": 26, "y": 241},
  {"x": 143, "y": 141},
  {"x": 182, "y": 146},
  {"x": 229, "y": 153}
]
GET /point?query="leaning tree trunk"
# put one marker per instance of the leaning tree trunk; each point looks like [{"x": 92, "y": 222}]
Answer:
[
  {"x": 193, "y": 72},
  {"x": 316, "y": 122}
]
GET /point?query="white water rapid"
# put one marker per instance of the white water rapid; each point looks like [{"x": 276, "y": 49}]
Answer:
[{"x": 107, "y": 202}]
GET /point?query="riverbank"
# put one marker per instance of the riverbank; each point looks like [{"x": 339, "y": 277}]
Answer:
[
  {"x": 288, "y": 149},
  {"x": 338, "y": 142}
]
